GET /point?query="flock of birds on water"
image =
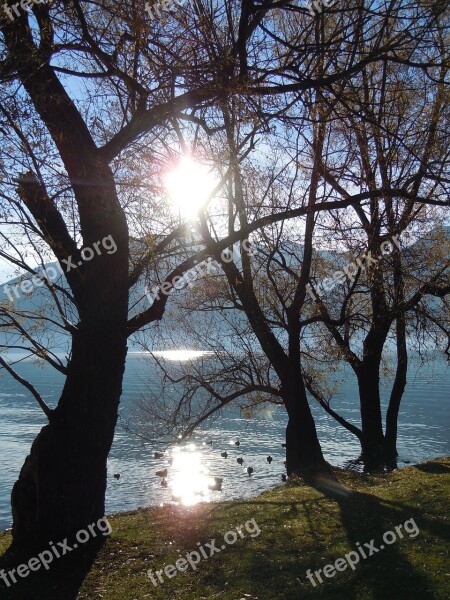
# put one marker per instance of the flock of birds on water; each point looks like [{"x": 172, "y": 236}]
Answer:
[{"x": 218, "y": 481}]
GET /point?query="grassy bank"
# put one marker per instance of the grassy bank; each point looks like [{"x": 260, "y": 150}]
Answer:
[{"x": 300, "y": 529}]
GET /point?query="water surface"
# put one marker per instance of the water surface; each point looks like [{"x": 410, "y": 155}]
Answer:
[{"x": 423, "y": 435}]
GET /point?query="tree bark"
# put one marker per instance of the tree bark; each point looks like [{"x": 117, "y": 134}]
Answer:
[
  {"x": 398, "y": 389},
  {"x": 61, "y": 487},
  {"x": 372, "y": 438},
  {"x": 303, "y": 451},
  {"x": 390, "y": 442}
]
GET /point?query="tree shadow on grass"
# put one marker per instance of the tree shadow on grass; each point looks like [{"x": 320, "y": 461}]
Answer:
[
  {"x": 268, "y": 566},
  {"x": 388, "y": 573},
  {"x": 276, "y": 567},
  {"x": 434, "y": 467},
  {"x": 62, "y": 581}
]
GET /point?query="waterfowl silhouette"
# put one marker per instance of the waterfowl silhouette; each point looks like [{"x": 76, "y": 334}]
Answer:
[
  {"x": 116, "y": 475},
  {"x": 240, "y": 460},
  {"x": 159, "y": 455},
  {"x": 237, "y": 443},
  {"x": 250, "y": 470},
  {"x": 217, "y": 485},
  {"x": 162, "y": 473},
  {"x": 224, "y": 454},
  {"x": 269, "y": 459},
  {"x": 164, "y": 483}
]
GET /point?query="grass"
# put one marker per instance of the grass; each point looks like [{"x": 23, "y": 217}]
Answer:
[{"x": 301, "y": 529}]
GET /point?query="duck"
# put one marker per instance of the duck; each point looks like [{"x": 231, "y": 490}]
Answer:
[
  {"x": 240, "y": 460},
  {"x": 269, "y": 459},
  {"x": 209, "y": 443},
  {"x": 283, "y": 477},
  {"x": 116, "y": 475},
  {"x": 164, "y": 483},
  {"x": 159, "y": 454},
  {"x": 162, "y": 473},
  {"x": 250, "y": 470},
  {"x": 224, "y": 454},
  {"x": 283, "y": 445},
  {"x": 217, "y": 485},
  {"x": 237, "y": 443}
]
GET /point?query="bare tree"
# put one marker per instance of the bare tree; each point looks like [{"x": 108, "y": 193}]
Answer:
[
  {"x": 84, "y": 88},
  {"x": 386, "y": 153},
  {"x": 399, "y": 141},
  {"x": 89, "y": 91}
]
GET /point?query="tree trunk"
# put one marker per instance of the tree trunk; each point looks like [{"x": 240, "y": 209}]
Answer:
[
  {"x": 390, "y": 442},
  {"x": 390, "y": 446},
  {"x": 303, "y": 451},
  {"x": 61, "y": 487},
  {"x": 372, "y": 439}
]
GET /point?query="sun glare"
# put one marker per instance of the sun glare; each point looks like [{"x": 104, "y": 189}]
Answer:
[
  {"x": 190, "y": 185},
  {"x": 181, "y": 355},
  {"x": 190, "y": 477}
]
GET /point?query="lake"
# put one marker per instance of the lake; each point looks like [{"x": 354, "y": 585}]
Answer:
[{"x": 423, "y": 434}]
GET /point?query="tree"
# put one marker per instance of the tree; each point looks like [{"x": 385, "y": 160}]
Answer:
[
  {"x": 93, "y": 87},
  {"x": 403, "y": 148},
  {"x": 395, "y": 163},
  {"x": 72, "y": 204}
]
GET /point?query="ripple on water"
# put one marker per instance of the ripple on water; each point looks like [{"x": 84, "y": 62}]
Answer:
[{"x": 423, "y": 434}]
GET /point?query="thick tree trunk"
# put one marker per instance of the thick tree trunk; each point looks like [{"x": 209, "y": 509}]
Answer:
[
  {"x": 61, "y": 487},
  {"x": 372, "y": 439},
  {"x": 303, "y": 451}
]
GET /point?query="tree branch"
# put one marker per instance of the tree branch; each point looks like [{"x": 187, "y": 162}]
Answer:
[{"x": 47, "y": 410}]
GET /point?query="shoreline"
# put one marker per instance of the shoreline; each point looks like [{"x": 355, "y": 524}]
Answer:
[
  {"x": 389, "y": 537},
  {"x": 351, "y": 473}
]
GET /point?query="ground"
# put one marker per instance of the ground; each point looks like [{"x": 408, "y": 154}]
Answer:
[{"x": 300, "y": 529}]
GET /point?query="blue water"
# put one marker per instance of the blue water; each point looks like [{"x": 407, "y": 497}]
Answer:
[{"x": 423, "y": 434}]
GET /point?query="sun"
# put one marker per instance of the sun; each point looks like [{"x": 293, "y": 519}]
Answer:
[{"x": 190, "y": 185}]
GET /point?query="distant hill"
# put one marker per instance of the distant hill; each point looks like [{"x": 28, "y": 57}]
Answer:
[{"x": 165, "y": 334}]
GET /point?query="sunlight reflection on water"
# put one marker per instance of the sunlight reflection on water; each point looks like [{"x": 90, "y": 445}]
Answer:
[
  {"x": 181, "y": 355},
  {"x": 188, "y": 477},
  {"x": 423, "y": 434}
]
